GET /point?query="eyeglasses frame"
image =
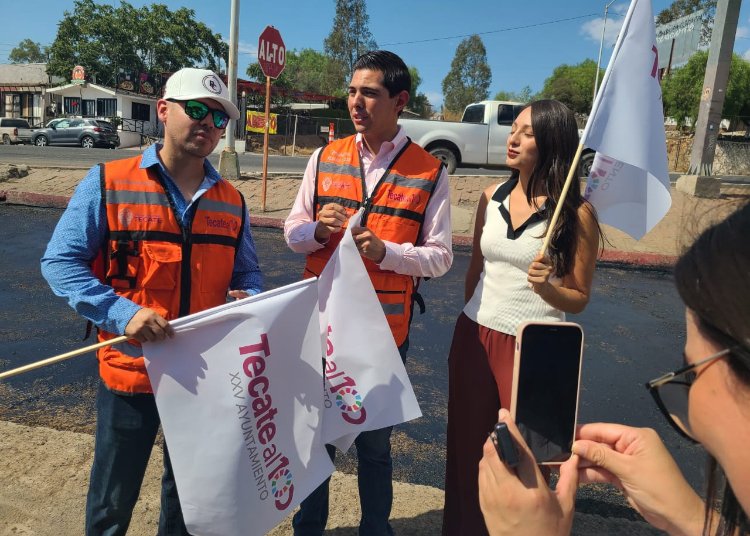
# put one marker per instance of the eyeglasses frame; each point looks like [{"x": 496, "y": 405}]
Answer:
[{"x": 653, "y": 387}]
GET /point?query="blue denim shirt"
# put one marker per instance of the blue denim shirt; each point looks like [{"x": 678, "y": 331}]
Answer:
[{"x": 80, "y": 235}]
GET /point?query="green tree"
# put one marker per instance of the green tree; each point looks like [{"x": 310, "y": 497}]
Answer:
[
  {"x": 470, "y": 76},
  {"x": 28, "y": 51},
  {"x": 418, "y": 102},
  {"x": 105, "y": 39},
  {"x": 683, "y": 8},
  {"x": 525, "y": 95},
  {"x": 307, "y": 70},
  {"x": 572, "y": 85},
  {"x": 681, "y": 90},
  {"x": 350, "y": 36}
]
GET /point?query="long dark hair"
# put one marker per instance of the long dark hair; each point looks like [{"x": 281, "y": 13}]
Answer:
[
  {"x": 556, "y": 135},
  {"x": 721, "y": 306}
]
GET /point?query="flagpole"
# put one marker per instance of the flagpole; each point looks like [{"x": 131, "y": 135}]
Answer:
[
  {"x": 615, "y": 52},
  {"x": 574, "y": 166},
  {"x": 572, "y": 172},
  {"x": 61, "y": 357}
]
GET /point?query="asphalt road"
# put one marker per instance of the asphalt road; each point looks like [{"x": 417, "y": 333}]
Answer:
[
  {"x": 634, "y": 329},
  {"x": 249, "y": 162}
]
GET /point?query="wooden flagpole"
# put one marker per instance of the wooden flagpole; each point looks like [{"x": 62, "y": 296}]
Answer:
[
  {"x": 572, "y": 172},
  {"x": 61, "y": 357}
]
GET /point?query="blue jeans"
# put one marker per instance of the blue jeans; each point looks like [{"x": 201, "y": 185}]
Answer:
[
  {"x": 374, "y": 479},
  {"x": 126, "y": 427}
]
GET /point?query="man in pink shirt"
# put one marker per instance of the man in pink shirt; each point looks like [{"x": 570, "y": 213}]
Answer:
[{"x": 405, "y": 235}]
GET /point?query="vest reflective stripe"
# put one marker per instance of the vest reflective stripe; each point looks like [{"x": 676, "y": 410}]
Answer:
[
  {"x": 137, "y": 198},
  {"x": 395, "y": 213},
  {"x": 220, "y": 206},
  {"x": 150, "y": 259},
  {"x": 339, "y": 169},
  {"x": 406, "y": 182}
]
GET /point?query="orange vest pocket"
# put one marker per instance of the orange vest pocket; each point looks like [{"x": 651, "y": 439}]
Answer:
[{"x": 161, "y": 265}]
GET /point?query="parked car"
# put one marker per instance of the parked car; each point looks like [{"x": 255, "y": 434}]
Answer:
[
  {"x": 478, "y": 140},
  {"x": 14, "y": 130},
  {"x": 85, "y": 132}
]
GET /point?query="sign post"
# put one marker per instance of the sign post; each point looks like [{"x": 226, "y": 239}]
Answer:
[{"x": 272, "y": 60}]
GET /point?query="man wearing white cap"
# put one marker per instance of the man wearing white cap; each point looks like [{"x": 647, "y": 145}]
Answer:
[{"x": 145, "y": 240}]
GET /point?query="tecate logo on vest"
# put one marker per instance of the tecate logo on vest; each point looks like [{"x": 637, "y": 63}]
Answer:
[
  {"x": 127, "y": 216},
  {"x": 221, "y": 224}
]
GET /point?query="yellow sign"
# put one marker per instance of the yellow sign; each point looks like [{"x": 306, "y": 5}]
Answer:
[{"x": 256, "y": 122}]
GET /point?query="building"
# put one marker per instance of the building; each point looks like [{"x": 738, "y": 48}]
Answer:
[
  {"x": 134, "y": 114},
  {"x": 23, "y": 91}
]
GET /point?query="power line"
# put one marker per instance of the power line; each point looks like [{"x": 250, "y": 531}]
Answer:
[{"x": 509, "y": 29}]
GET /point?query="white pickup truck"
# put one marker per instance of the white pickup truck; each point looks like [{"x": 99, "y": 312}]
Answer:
[{"x": 478, "y": 140}]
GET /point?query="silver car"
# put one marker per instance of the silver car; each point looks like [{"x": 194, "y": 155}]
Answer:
[{"x": 86, "y": 132}]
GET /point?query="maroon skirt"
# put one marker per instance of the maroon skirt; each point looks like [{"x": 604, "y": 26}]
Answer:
[{"x": 480, "y": 376}]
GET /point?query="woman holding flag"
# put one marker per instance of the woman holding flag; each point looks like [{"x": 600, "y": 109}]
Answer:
[{"x": 510, "y": 280}]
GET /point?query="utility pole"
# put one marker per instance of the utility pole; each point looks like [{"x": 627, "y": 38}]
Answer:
[
  {"x": 229, "y": 164},
  {"x": 601, "y": 46},
  {"x": 699, "y": 181}
]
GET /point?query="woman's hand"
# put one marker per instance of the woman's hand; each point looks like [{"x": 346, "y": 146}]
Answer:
[
  {"x": 540, "y": 270},
  {"x": 519, "y": 502},
  {"x": 636, "y": 461}
]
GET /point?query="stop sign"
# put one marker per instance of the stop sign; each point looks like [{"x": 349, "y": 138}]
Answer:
[{"x": 271, "y": 52}]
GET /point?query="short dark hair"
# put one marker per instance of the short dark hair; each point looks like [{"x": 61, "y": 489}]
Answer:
[{"x": 396, "y": 77}]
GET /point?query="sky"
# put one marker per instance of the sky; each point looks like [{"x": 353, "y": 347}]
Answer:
[{"x": 525, "y": 41}]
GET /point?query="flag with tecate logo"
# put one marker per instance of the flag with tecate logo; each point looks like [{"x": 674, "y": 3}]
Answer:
[
  {"x": 629, "y": 179},
  {"x": 239, "y": 395},
  {"x": 366, "y": 384}
]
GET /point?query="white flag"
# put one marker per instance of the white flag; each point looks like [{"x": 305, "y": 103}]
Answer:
[
  {"x": 366, "y": 385},
  {"x": 629, "y": 180},
  {"x": 238, "y": 393}
]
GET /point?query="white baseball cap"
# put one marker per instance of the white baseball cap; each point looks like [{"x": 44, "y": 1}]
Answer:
[{"x": 190, "y": 83}]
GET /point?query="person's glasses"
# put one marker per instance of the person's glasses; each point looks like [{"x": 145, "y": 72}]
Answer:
[
  {"x": 197, "y": 110},
  {"x": 671, "y": 393}
]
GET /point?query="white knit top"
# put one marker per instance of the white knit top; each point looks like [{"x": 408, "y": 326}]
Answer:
[{"x": 503, "y": 298}]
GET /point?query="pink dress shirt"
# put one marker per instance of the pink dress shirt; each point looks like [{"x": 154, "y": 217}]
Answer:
[{"x": 432, "y": 256}]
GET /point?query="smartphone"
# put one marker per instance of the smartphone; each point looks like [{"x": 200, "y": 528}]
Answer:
[
  {"x": 546, "y": 382},
  {"x": 504, "y": 445}
]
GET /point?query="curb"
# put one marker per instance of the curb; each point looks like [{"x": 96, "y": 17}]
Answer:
[{"x": 624, "y": 259}]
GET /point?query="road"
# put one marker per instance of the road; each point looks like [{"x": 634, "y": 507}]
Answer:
[
  {"x": 249, "y": 162},
  {"x": 634, "y": 329}
]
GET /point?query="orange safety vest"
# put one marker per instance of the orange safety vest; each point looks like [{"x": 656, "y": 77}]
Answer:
[
  {"x": 394, "y": 212},
  {"x": 150, "y": 259}
]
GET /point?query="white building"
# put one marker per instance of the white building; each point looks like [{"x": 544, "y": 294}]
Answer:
[{"x": 134, "y": 113}]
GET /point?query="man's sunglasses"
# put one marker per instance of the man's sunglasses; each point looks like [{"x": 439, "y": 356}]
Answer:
[{"x": 197, "y": 110}]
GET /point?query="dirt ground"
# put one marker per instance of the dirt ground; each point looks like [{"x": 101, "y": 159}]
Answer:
[{"x": 44, "y": 474}]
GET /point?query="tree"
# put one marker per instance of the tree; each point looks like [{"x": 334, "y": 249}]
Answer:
[
  {"x": 418, "y": 102},
  {"x": 307, "y": 70},
  {"x": 682, "y": 8},
  {"x": 470, "y": 76},
  {"x": 524, "y": 95},
  {"x": 681, "y": 90},
  {"x": 105, "y": 40},
  {"x": 28, "y": 51},
  {"x": 573, "y": 85},
  {"x": 350, "y": 36}
]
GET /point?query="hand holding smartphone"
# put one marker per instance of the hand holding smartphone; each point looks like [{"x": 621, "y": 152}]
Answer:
[{"x": 546, "y": 382}]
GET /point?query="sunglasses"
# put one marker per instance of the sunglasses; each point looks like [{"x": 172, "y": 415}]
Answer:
[
  {"x": 197, "y": 110},
  {"x": 671, "y": 393}
]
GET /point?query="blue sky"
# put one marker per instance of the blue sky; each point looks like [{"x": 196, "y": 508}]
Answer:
[{"x": 525, "y": 41}]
